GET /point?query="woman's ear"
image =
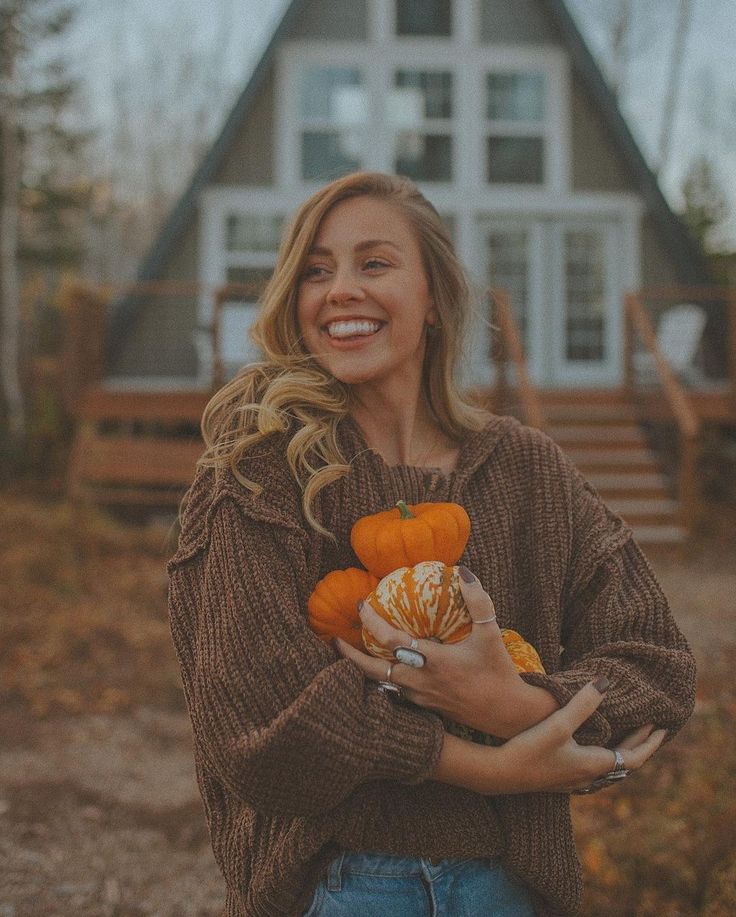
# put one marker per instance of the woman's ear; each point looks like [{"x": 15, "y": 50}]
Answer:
[{"x": 431, "y": 317}]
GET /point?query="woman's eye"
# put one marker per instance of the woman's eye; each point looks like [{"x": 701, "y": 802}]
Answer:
[
  {"x": 314, "y": 271},
  {"x": 373, "y": 263}
]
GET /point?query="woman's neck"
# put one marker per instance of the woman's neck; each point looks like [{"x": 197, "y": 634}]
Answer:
[{"x": 402, "y": 433}]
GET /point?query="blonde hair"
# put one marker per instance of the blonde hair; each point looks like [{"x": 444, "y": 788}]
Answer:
[{"x": 290, "y": 385}]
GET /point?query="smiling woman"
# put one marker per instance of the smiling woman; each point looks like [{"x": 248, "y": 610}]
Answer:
[{"x": 324, "y": 795}]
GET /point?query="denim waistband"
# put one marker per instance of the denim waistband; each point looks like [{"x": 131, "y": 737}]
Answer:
[{"x": 383, "y": 864}]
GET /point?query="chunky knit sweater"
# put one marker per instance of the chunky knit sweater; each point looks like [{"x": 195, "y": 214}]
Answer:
[{"x": 298, "y": 756}]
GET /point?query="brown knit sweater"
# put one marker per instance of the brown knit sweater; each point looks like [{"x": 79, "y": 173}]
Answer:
[{"x": 297, "y": 754}]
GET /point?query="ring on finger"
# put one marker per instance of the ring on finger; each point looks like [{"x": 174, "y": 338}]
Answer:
[
  {"x": 389, "y": 687},
  {"x": 410, "y": 656}
]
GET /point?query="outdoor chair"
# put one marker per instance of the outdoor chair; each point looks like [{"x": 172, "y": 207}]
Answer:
[{"x": 679, "y": 332}]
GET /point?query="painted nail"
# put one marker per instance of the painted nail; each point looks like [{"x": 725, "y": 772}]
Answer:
[
  {"x": 602, "y": 684},
  {"x": 467, "y": 576}
]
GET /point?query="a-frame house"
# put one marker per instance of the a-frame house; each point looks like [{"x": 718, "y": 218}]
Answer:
[{"x": 499, "y": 112}]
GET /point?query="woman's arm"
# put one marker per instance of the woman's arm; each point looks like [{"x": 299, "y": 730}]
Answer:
[
  {"x": 278, "y": 718},
  {"x": 544, "y": 758}
]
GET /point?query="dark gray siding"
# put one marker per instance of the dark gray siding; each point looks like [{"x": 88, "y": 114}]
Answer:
[
  {"x": 250, "y": 158},
  {"x": 332, "y": 20},
  {"x": 516, "y": 21},
  {"x": 597, "y": 164}
]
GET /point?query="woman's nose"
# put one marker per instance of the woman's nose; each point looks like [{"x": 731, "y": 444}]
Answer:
[{"x": 344, "y": 287}]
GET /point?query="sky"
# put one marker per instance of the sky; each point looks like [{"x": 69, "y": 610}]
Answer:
[{"x": 138, "y": 36}]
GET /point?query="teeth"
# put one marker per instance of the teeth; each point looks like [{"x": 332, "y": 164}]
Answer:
[{"x": 348, "y": 329}]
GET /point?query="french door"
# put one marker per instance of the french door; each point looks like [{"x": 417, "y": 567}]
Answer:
[{"x": 565, "y": 282}]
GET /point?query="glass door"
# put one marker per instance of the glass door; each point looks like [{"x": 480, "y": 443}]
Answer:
[{"x": 586, "y": 302}]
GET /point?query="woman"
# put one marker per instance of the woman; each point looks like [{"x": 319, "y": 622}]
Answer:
[{"x": 324, "y": 793}]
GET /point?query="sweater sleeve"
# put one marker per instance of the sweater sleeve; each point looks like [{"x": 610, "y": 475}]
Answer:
[
  {"x": 278, "y": 717},
  {"x": 617, "y": 622}
]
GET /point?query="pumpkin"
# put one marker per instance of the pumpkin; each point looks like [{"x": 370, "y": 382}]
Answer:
[
  {"x": 425, "y": 601},
  {"x": 332, "y": 606},
  {"x": 409, "y": 534}
]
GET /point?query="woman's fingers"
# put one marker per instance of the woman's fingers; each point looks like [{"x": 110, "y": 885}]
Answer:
[
  {"x": 386, "y": 634},
  {"x": 635, "y": 757},
  {"x": 374, "y": 668},
  {"x": 637, "y": 737},
  {"x": 581, "y": 705},
  {"x": 479, "y": 604}
]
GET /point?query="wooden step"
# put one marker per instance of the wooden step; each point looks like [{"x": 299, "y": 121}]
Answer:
[
  {"x": 621, "y": 436},
  {"x": 592, "y": 459},
  {"x": 649, "y": 511},
  {"x": 651, "y": 535},
  {"x": 628, "y": 484},
  {"x": 590, "y": 414}
]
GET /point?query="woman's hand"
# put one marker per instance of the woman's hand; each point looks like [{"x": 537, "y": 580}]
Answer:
[
  {"x": 473, "y": 682},
  {"x": 547, "y": 758},
  {"x": 544, "y": 758}
]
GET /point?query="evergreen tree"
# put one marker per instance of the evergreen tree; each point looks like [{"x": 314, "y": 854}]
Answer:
[{"x": 41, "y": 200}]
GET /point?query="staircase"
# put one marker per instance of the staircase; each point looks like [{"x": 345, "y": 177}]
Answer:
[{"x": 600, "y": 433}]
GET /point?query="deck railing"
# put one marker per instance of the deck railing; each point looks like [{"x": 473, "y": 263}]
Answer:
[
  {"x": 506, "y": 347},
  {"x": 676, "y": 399}
]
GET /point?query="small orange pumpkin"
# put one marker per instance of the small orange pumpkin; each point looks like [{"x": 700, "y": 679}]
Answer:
[
  {"x": 332, "y": 606},
  {"x": 409, "y": 534},
  {"x": 523, "y": 654}
]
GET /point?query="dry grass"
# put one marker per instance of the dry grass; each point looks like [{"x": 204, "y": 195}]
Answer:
[{"x": 85, "y": 631}]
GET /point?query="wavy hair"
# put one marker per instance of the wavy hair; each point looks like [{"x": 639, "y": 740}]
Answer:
[{"x": 288, "y": 392}]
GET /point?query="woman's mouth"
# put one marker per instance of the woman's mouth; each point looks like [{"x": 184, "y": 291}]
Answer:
[{"x": 352, "y": 330}]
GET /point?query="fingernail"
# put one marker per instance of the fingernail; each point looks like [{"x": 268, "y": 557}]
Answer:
[
  {"x": 602, "y": 684},
  {"x": 467, "y": 576}
]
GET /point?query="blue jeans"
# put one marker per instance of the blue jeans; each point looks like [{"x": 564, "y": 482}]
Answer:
[{"x": 378, "y": 885}]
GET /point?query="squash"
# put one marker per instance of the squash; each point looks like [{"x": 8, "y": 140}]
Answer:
[
  {"x": 332, "y": 606},
  {"x": 425, "y": 601},
  {"x": 407, "y": 535}
]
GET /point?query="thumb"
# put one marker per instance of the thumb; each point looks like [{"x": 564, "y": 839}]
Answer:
[
  {"x": 583, "y": 704},
  {"x": 479, "y": 604}
]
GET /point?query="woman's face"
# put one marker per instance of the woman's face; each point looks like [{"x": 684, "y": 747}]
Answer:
[{"x": 363, "y": 295}]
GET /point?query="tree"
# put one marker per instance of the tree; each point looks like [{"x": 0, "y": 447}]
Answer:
[
  {"x": 36, "y": 169},
  {"x": 705, "y": 203}
]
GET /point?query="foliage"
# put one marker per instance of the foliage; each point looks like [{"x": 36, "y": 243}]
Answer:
[
  {"x": 705, "y": 203},
  {"x": 85, "y": 631}
]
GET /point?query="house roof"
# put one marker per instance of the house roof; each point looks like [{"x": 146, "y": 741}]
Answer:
[{"x": 685, "y": 251}]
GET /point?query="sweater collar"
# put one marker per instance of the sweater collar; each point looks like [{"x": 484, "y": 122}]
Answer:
[{"x": 474, "y": 450}]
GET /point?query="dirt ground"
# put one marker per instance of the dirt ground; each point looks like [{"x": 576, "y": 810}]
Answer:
[{"x": 99, "y": 809}]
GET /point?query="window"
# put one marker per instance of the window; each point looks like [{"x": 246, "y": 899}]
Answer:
[
  {"x": 252, "y": 232},
  {"x": 424, "y": 17},
  {"x": 515, "y": 108},
  {"x": 420, "y": 109},
  {"x": 585, "y": 299},
  {"x": 509, "y": 271},
  {"x": 334, "y": 113}
]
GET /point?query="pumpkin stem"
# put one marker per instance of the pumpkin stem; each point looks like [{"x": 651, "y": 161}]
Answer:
[{"x": 405, "y": 511}]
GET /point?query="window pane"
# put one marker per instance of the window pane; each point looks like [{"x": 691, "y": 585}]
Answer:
[
  {"x": 515, "y": 96},
  {"x": 423, "y": 17},
  {"x": 424, "y": 157},
  {"x": 253, "y": 232},
  {"x": 434, "y": 89},
  {"x": 253, "y": 278},
  {"x": 328, "y": 154},
  {"x": 585, "y": 283},
  {"x": 334, "y": 94},
  {"x": 509, "y": 271},
  {"x": 519, "y": 160}
]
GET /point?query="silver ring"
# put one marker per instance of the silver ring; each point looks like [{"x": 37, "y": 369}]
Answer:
[
  {"x": 389, "y": 688},
  {"x": 486, "y": 620},
  {"x": 619, "y": 765},
  {"x": 414, "y": 645},
  {"x": 389, "y": 670},
  {"x": 410, "y": 657}
]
